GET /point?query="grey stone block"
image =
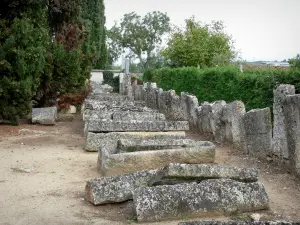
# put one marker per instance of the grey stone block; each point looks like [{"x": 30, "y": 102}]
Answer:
[
  {"x": 114, "y": 189},
  {"x": 279, "y": 143},
  {"x": 220, "y": 196},
  {"x": 210, "y": 171},
  {"x": 45, "y": 116},
  {"x": 204, "y": 114},
  {"x": 237, "y": 126},
  {"x": 133, "y": 145},
  {"x": 142, "y": 116},
  {"x": 189, "y": 104},
  {"x": 111, "y": 164},
  {"x": 292, "y": 123},
  {"x": 94, "y": 140},
  {"x": 239, "y": 223},
  {"x": 135, "y": 125},
  {"x": 216, "y": 123},
  {"x": 258, "y": 130}
]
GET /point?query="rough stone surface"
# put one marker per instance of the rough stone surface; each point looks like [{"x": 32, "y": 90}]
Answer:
[
  {"x": 133, "y": 145},
  {"x": 136, "y": 125},
  {"x": 126, "y": 88},
  {"x": 204, "y": 112},
  {"x": 138, "y": 92},
  {"x": 258, "y": 130},
  {"x": 292, "y": 123},
  {"x": 220, "y": 196},
  {"x": 189, "y": 104},
  {"x": 151, "y": 95},
  {"x": 175, "y": 111},
  {"x": 237, "y": 126},
  {"x": 143, "y": 116},
  {"x": 94, "y": 140},
  {"x": 279, "y": 144},
  {"x": 239, "y": 223},
  {"x": 110, "y": 164},
  {"x": 216, "y": 123},
  {"x": 45, "y": 116},
  {"x": 210, "y": 171},
  {"x": 119, "y": 188}
]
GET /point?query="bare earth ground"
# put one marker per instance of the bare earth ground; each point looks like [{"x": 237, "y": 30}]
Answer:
[{"x": 53, "y": 193}]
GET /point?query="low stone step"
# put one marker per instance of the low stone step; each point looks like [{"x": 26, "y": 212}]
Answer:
[
  {"x": 133, "y": 145},
  {"x": 120, "y": 188},
  {"x": 120, "y": 104},
  {"x": 136, "y": 125},
  {"x": 94, "y": 140},
  {"x": 221, "y": 196},
  {"x": 120, "y": 163},
  {"x": 122, "y": 115}
]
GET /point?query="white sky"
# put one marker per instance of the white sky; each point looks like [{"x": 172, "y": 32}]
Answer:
[{"x": 262, "y": 29}]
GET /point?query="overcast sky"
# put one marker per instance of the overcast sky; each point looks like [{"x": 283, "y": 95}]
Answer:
[{"x": 262, "y": 29}]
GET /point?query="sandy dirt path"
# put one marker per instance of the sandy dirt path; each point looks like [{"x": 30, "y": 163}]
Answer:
[{"x": 53, "y": 193}]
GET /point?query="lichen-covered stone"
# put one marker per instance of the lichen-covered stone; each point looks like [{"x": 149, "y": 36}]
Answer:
[
  {"x": 292, "y": 123},
  {"x": 142, "y": 116},
  {"x": 94, "y": 140},
  {"x": 220, "y": 196},
  {"x": 111, "y": 164},
  {"x": 258, "y": 130},
  {"x": 136, "y": 125},
  {"x": 239, "y": 223},
  {"x": 216, "y": 123},
  {"x": 45, "y": 116},
  {"x": 132, "y": 145},
  {"x": 279, "y": 143},
  {"x": 210, "y": 171},
  {"x": 114, "y": 189}
]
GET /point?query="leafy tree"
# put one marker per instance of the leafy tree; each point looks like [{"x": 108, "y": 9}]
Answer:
[
  {"x": 93, "y": 17},
  {"x": 141, "y": 35},
  {"x": 295, "y": 62},
  {"x": 203, "y": 45}
]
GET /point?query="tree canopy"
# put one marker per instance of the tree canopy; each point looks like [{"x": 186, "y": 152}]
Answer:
[
  {"x": 141, "y": 35},
  {"x": 198, "y": 44}
]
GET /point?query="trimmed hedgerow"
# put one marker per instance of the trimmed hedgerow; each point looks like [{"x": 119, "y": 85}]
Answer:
[{"x": 254, "y": 88}]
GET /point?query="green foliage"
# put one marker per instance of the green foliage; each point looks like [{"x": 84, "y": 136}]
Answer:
[
  {"x": 254, "y": 88},
  {"x": 46, "y": 48},
  {"x": 23, "y": 54},
  {"x": 141, "y": 35},
  {"x": 199, "y": 45},
  {"x": 93, "y": 17},
  {"x": 295, "y": 62},
  {"x": 108, "y": 78}
]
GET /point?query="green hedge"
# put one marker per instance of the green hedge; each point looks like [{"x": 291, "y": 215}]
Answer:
[
  {"x": 253, "y": 87},
  {"x": 108, "y": 78}
]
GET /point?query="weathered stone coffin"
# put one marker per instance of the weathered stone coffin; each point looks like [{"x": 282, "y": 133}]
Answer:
[
  {"x": 117, "y": 163},
  {"x": 94, "y": 140},
  {"x": 221, "y": 196},
  {"x": 120, "y": 188},
  {"x": 136, "y": 125}
]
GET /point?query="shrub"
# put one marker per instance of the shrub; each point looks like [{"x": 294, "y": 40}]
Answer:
[{"x": 254, "y": 88}]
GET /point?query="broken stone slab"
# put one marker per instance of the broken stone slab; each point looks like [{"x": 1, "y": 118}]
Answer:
[
  {"x": 238, "y": 223},
  {"x": 176, "y": 171},
  {"x": 44, "y": 116},
  {"x": 111, "y": 164},
  {"x": 132, "y": 145},
  {"x": 108, "y": 97},
  {"x": 258, "y": 131},
  {"x": 29, "y": 131},
  {"x": 94, "y": 140},
  {"x": 136, "y": 125},
  {"x": 221, "y": 196},
  {"x": 118, "y": 188},
  {"x": 279, "y": 142},
  {"x": 217, "y": 125}
]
